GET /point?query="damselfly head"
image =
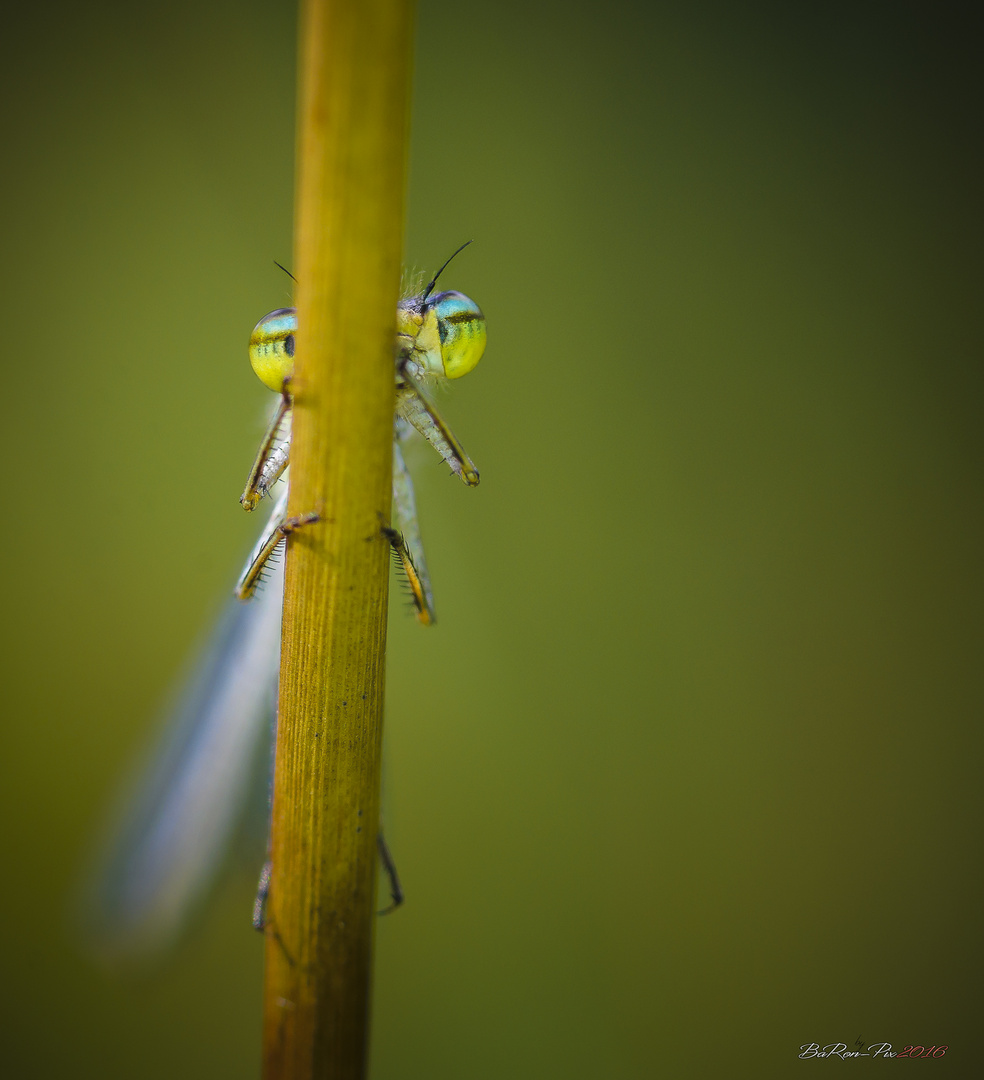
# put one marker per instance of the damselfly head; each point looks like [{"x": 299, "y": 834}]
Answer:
[
  {"x": 444, "y": 332},
  {"x": 271, "y": 347}
]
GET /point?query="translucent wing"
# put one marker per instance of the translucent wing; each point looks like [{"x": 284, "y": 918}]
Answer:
[{"x": 183, "y": 807}]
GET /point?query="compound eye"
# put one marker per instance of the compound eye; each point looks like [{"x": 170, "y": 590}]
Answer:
[
  {"x": 461, "y": 326},
  {"x": 271, "y": 347}
]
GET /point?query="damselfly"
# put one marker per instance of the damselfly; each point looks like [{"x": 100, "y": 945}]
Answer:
[{"x": 185, "y": 805}]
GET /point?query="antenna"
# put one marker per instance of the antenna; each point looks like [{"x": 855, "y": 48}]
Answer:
[
  {"x": 441, "y": 271},
  {"x": 294, "y": 279}
]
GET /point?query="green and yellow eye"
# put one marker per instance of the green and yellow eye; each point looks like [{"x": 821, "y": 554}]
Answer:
[
  {"x": 461, "y": 328},
  {"x": 271, "y": 347}
]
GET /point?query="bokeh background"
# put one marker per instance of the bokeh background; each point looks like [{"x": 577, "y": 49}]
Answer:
[{"x": 687, "y": 775}]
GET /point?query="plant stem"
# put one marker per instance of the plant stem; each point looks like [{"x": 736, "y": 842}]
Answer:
[{"x": 353, "y": 113}]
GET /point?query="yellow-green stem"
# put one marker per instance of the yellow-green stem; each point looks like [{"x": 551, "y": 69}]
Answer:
[{"x": 352, "y": 129}]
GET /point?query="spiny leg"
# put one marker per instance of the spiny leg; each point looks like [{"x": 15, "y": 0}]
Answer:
[
  {"x": 277, "y": 529},
  {"x": 272, "y": 457},
  {"x": 425, "y": 615},
  {"x": 412, "y": 404}
]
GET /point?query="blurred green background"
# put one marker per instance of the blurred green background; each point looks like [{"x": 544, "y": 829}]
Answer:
[{"x": 687, "y": 774}]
